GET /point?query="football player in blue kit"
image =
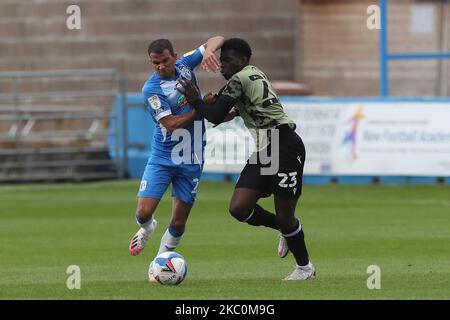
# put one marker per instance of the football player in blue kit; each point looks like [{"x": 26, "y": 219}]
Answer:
[{"x": 178, "y": 128}]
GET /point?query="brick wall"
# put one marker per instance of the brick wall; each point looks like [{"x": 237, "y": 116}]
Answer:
[
  {"x": 115, "y": 34},
  {"x": 337, "y": 55},
  {"x": 322, "y": 43}
]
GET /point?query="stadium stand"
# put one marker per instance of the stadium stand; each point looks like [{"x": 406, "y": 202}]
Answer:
[
  {"x": 54, "y": 130},
  {"x": 36, "y": 129},
  {"x": 321, "y": 47},
  {"x": 115, "y": 34}
]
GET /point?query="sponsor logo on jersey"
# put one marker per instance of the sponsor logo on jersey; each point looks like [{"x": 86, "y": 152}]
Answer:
[{"x": 181, "y": 101}]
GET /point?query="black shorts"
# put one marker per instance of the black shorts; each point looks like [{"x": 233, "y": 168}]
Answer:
[{"x": 287, "y": 180}]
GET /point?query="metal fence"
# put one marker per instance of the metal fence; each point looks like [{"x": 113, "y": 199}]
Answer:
[
  {"x": 55, "y": 125},
  {"x": 385, "y": 55}
]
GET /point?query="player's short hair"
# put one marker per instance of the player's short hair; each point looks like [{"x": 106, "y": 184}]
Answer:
[
  {"x": 159, "y": 45},
  {"x": 240, "y": 46}
]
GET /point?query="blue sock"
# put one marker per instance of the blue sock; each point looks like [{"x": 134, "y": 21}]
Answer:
[
  {"x": 170, "y": 239},
  {"x": 176, "y": 232}
]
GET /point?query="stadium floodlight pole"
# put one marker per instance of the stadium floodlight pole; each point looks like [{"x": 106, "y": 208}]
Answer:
[{"x": 384, "y": 63}]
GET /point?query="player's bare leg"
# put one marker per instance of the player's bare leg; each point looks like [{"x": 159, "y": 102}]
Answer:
[
  {"x": 144, "y": 217},
  {"x": 244, "y": 208},
  {"x": 292, "y": 231},
  {"x": 175, "y": 230}
]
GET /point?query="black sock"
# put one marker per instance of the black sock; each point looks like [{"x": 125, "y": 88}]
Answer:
[
  {"x": 296, "y": 244},
  {"x": 261, "y": 217}
]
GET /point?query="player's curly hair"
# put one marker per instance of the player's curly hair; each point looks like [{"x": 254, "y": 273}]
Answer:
[
  {"x": 159, "y": 45},
  {"x": 240, "y": 46}
]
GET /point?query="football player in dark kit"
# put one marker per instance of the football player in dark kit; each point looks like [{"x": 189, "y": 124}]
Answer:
[{"x": 250, "y": 93}]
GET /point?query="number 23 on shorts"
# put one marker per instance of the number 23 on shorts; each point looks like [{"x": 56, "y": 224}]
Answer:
[{"x": 291, "y": 176}]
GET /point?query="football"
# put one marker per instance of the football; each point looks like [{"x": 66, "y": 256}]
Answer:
[{"x": 168, "y": 268}]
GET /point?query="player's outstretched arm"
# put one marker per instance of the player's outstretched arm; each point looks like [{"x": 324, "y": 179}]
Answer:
[
  {"x": 230, "y": 116},
  {"x": 211, "y": 98},
  {"x": 209, "y": 61},
  {"x": 173, "y": 122},
  {"x": 233, "y": 113}
]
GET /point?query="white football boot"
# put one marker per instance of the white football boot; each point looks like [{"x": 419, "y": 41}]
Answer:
[
  {"x": 139, "y": 240},
  {"x": 283, "y": 248},
  {"x": 307, "y": 272}
]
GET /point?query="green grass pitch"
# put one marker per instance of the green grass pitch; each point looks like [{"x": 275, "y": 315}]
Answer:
[{"x": 405, "y": 230}]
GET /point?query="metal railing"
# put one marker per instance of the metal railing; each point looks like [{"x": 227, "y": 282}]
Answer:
[
  {"x": 385, "y": 55},
  {"x": 53, "y": 134}
]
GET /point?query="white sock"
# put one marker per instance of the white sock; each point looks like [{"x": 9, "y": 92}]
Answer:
[
  {"x": 308, "y": 267},
  {"x": 168, "y": 242},
  {"x": 147, "y": 226}
]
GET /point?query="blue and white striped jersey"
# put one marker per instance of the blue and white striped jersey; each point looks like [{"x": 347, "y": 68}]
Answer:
[{"x": 162, "y": 99}]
